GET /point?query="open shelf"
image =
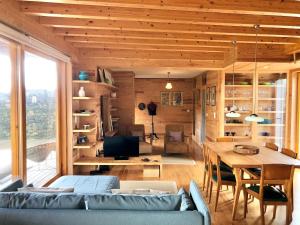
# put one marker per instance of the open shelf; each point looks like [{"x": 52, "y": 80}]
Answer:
[
  {"x": 247, "y": 112},
  {"x": 271, "y": 99},
  {"x": 236, "y": 125},
  {"x": 239, "y": 86},
  {"x": 270, "y": 86},
  {"x": 275, "y": 112},
  {"x": 83, "y": 98},
  {"x": 112, "y": 87},
  {"x": 269, "y": 137},
  {"x": 239, "y": 99},
  {"x": 84, "y": 146},
  {"x": 84, "y": 130},
  {"x": 115, "y": 119},
  {"x": 83, "y": 82},
  {"x": 270, "y": 125},
  {"x": 84, "y": 114}
]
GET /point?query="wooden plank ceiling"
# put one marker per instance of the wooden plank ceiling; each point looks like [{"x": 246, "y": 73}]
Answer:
[{"x": 183, "y": 33}]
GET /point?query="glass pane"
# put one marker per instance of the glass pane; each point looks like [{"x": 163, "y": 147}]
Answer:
[
  {"x": 5, "y": 104},
  {"x": 271, "y": 106},
  {"x": 41, "y": 89}
]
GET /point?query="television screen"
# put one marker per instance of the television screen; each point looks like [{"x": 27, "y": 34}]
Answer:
[{"x": 124, "y": 146}]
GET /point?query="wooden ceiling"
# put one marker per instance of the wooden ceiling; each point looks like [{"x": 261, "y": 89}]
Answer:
[{"x": 177, "y": 33}]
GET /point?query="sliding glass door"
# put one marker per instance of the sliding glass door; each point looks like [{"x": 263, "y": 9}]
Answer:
[
  {"x": 5, "y": 112},
  {"x": 41, "y": 118}
]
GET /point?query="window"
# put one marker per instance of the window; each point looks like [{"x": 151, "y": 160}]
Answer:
[
  {"x": 5, "y": 112},
  {"x": 41, "y": 118}
]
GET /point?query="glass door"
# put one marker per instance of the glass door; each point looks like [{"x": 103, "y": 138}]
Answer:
[
  {"x": 6, "y": 152},
  {"x": 40, "y": 77}
]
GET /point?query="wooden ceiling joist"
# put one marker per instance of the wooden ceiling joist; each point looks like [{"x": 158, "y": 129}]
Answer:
[
  {"x": 255, "y": 7},
  {"x": 172, "y": 36},
  {"x": 163, "y": 27},
  {"x": 146, "y": 54},
  {"x": 157, "y": 15}
]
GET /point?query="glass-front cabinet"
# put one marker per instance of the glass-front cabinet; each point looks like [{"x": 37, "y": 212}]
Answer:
[
  {"x": 271, "y": 105},
  {"x": 265, "y": 95}
]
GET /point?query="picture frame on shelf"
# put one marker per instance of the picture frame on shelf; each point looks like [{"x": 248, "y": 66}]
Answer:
[
  {"x": 207, "y": 97},
  {"x": 213, "y": 96},
  {"x": 100, "y": 75},
  {"x": 107, "y": 77}
]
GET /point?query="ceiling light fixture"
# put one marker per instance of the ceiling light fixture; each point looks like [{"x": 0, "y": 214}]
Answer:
[
  {"x": 169, "y": 84},
  {"x": 233, "y": 113},
  {"x": 254, "y": 117}
]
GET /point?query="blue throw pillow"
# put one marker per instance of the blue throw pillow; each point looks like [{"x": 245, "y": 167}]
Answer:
[{"x": 186, "y": 201}]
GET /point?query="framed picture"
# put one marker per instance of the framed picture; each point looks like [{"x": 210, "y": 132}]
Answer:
[
  {"x": 213, "y": 96},
  {"x": 177, "y": 98},
  {"x": 165, "y": 98},
  {"x": 100, "y": 75},
  {"x": 207, "y": 93},
  {"x": 107, "y": 77}
]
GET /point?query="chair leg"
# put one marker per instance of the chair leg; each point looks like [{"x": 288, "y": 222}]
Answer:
[
  {"x": 208, "y": 182},
  {"x": 265, "y": 209},
  {"x": 274, "y": 211},
  {"x": 210, "y": 191},
  {"x": 262, "y": 212},
  {"x": 233, "y": 190},
  {"x": 217, "y": 196},
  {"x": 204, "y": 179},
  {"x": 245, "y": 203}
]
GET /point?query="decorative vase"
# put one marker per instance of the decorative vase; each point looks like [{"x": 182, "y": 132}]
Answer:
[
  {"x": 81, "y": 92},
  {"x": 83, "y": 75},
  {"x": 113, "y": 94}
]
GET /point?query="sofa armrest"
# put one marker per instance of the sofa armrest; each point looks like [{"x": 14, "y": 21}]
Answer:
[{"x": 199, "y": 202}]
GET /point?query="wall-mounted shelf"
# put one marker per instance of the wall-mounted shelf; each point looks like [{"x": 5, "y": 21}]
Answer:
[
  {"x": 84, "y": 130},
  {"x": 112, "y": 87},
  {"x": 115, "y": 119},
  {"x": 239, "y": 86},
  {"x": 275, "y": 112},
  {"x": 83, "y": 82},
  {"x": 239, "y": 99},
  {"x": 84, "y": 114},
  {"x": 247, "y": 112},
  {"x": 84, "y": 146},
  {"x": 270, "y": 125},
  {"x": 270, "y": 99},
  {"x": 83, "y": 98},
  {"x": 236, "y": 125}
]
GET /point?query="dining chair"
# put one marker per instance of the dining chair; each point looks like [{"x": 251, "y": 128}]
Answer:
[
  {"x": 219, "y": 177},
  {"x": 271, "y": 146},
  {"x": 289, "y": 153},
  {"x": 255, "y": 172},
  {"x": 267, "y": 194}
]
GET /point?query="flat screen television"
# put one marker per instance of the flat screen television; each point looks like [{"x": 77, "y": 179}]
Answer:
[{"x": 121, "y": 147}]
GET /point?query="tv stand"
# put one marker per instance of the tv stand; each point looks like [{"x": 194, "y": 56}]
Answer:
[{"x": 121, "y": 157}]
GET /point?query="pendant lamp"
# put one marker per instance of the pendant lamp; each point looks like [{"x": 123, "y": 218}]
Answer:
[
  {"x": 254, "y": 117},
  {"x": 169, "y": 84},
  {"x": 233, "y": 113}
]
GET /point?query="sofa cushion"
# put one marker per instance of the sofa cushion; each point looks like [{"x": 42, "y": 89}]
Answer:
[
  {"x": 134, "y": 202},
  {"x": 45, "y": 189},
  {"x": 26, "y": 200},
  {"x": 88, "y": 184},
  {"x": 13, "y": 186},
  {"x": 186, "y": 200}
]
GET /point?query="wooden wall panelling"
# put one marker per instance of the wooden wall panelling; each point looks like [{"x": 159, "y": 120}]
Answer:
[
  {"x": 125, "y": 100},
  {"x": 198, "y": 108},
  {"x": 147, "y": 90}
]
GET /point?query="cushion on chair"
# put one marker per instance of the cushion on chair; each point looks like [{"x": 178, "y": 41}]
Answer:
[
  {"x": 226, "y": 176},
  {"x": 271, "y": 193},
  {"x": 225, "y": 167},
  {"x": 175, "y": 136},
  {"x": 256, "y": 171}
]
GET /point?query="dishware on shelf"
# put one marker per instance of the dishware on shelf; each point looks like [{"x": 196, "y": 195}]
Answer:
[
  {"x": 81, "y": 92},
  {"x": 83, "y": 75}
]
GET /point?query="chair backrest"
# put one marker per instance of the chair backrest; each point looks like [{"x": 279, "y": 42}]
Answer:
[
  {"x": 289, "y": 153},
  {"x": 224, "y": 139},
  {"x": 276, "y": 174},
  {"x": 271, "y": 146},
  {"x": 174, "y": 127},
  {"x": 138, "y": 128}
]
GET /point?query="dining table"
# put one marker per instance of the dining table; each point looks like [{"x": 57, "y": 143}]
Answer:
[{"x": 239, "y": 161}]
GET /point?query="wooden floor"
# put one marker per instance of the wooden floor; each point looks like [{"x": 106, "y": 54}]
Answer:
[{"x": 182, "y": 174}]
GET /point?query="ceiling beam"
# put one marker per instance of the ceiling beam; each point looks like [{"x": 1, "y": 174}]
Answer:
[
  {"x": 255, "y": 7},
  {"x": 146, "y": 54},
  {"x": 142, "y": 63},
  {"x": 172, "y": 36},
  {"x": 291, "y": 49},
  {"x": 149, "y": 47},
  {"x": 157, "y": 15},
  {"x": 163, "y": 27},
  {"x": 163, "y": 43}
]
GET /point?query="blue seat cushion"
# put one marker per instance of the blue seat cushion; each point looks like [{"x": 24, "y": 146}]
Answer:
[
  {"x": 186, "y": 200},
  {"x": 271, "y": 193},
  {"x": 88, "y": 184},
  {"x": 225, "y": 167},
  {"x": 256, "y": 171},
  {"x": 225, "y": 176}
]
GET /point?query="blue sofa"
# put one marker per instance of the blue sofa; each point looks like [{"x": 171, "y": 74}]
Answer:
[{"x": 103, "y": 208}]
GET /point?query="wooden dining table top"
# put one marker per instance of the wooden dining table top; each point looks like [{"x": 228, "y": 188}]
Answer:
[{"x": 235, "y": 160}]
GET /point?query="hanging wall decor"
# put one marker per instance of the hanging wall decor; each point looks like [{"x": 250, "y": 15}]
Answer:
[{"x": 212, "y": 96}]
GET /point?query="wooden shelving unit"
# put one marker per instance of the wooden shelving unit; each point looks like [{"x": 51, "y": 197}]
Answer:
[
  {"x": 92, "y": 105},
  {"x": 263, "y": 94}
]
